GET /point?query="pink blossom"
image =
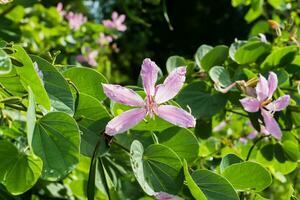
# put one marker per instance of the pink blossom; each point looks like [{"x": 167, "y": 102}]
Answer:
[
  {"x": 166, "y": 196},
  {"x": 152, "y": 104},
  {"x": 117, "y": 22},
  {"x": 75, "y": 20},
  {"x": 262, "y": 101},
  {"x": 90, "y": 58},
  {"x": 104, "y": 39},
  {"x": 39, "y": 72},
  {"x": 60, "y": 9}
]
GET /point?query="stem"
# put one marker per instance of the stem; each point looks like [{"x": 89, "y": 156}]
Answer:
[
  {"x": 77, "y": 93},
  {"x": 154, "y": 137},
  {"x": 235, "y": 112},
  {"x": 5, "y": 90},
  {"x": 21, "y": 108},
  {"x": 8, "y": 10},
  {"x": 117, "y": 144},
  {"x": 254, "y": 144}
]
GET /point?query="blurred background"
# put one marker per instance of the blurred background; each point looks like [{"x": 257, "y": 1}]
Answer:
[{"x": 153, "y": 28}]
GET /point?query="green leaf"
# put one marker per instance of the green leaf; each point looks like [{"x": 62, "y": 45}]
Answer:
[
  {"x": 278, "y": 4},
  {"x": 214, "y": 57},
  {"x": 5, "y": 63},
  {"x": 273, "y": 157},
  {"x": 13, "y": 83},
  {"x": 228, "y": 160},
  {"x": 18, "y": 171},
  {"x": 56, "y": 141},
  {"x": 291, "y": 150},
  {"x": 158, "y": 168},
  {"x": 248, "y": 176},
  {"x": 220, "y": 75},
  {"x": 214, "y": 186},
  {"x": 234, "y": 46},
  {"x": 56, "y": 86},
  {"x": 280, "y": 58},
  {"x": 88, "y": 82},
  {"x": 180, "y": 140},
  {"x": 193, "y": 187},
  {"x": 255, "y": 10},
  {"x": 202, "y": 103},
  {"x": 92, "y": 118},
  {"x": 31, "y": 116},
  {"x": 136, "y": 159},
  {"x": 201, "y": 52},
  {"x": 251, "y": 52},
  {"x": 174, "y": 62},
  {"x": 29, "y": 77}
]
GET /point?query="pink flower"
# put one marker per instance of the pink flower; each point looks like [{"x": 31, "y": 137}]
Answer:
[
  {"x": 104, "y": 39},
  {"x": 75, "y": 20},
  {"x": 90, "y": 58},
  {"x": 262, "y": 101},
  {"x": 166, "y": 196},
  {"x": 39, "y": 72},
  {"x": 117, "y": 22},
  {"x": 60, "y": 9},
  {"x": 151, "y": 105}
]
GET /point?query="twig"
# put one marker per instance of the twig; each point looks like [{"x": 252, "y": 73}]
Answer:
[{"x": 254, "y": 144}]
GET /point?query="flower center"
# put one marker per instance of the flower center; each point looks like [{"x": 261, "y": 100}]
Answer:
[{"x": 151, "y": 106}]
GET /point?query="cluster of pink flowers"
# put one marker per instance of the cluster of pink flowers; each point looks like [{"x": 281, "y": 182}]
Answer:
[
  {"x": 90, "y": 58},
  {"x": 117, "y": 22},
  {"x": 153, "y": 104},
  {"x": 260, "y": 99},
  {"x": 75, "y": 19},
  {"x": 104, "y": 39}
]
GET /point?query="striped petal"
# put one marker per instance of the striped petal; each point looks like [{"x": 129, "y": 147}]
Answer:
[
  {"x": 171, "y": 86},
  {"x": 122, "y": 95},
  {"x": 280, "y": 104},
  {"x": 176, "y": 116},
  {"x": 125, "y": 121},
  {"x": 272, "y": 83},
  {"x": 271, "y": 125},
  {"x": 250, "y": 104},
  {"x": 149, "y": 76},
  {"x": 262, "y": 88}
]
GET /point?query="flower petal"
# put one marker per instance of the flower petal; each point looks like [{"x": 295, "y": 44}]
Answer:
[
  {"x": 250, "y": 104},
  {"x": 176, "y": 116},
  {"x": 171, "y": 86},
  {"x": 272, "y": 82},
  {"x": 149, "y": 76},
  {"x": 262, "y": 88},
  {"x": 166, "y": 196},
  {"x": 271, "y": 125},
  {"x": 125, "y": 121},
  {"x": 280, "y": 104},
  {"x": 122, "y": 95}
]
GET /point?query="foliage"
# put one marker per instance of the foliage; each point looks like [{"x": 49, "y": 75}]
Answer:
[{"x": 54, "y": 112}]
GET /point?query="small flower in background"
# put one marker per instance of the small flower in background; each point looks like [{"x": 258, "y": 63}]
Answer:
[
  {"x": 117, "y": 22},
  {"x": 39, "y": 72},
  {"x": 104, "y": 39},
  {"x": 262, "y": 101},
  {"x": 253, "y": 133},
  {"x": 151, "y": 105},
  {"x": 275, "y": 26},
  {"x": 60, "y": 9},
  {"x": 75, "y": 20},
  {"x": 5, "y": 1},
  {"x": 115, "y": 48},
  {"x": 166, "y": 196},
  {"x": 90, "y": 58}
]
